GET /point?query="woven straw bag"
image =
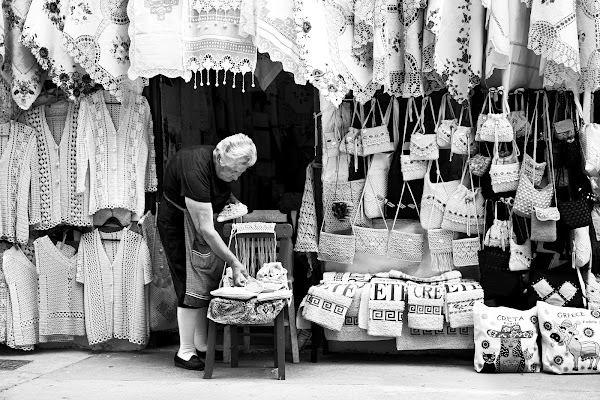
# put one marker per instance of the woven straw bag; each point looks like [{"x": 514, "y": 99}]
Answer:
[
  {"x": 411, "y": 169},
  {"x": 405, "y": 246},
  {"x": 372, "y": 241},
  {"x": 424, "y": 146},
  {"x": 434, "y": 200},
  {"x": 445, "y": 127},
  {"x": 465, "y": 209},
  {"x": 465, "y": 252},
  {"x": 440, "y": 248}
]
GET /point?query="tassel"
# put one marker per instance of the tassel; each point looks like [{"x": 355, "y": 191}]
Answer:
[
  {"x": 195, "y": 73},
  {"x": 217, "y": 78}
]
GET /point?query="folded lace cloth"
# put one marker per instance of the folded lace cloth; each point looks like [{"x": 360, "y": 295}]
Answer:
[
  {"x": 346, "y": 277},
  {"x": 234, "y": 292},
  {"x": 460, "y": 298},
  {"x": 275, "y": 295},
  {"x": 386, "y": 307},
  {"x": 425, "y": 306},
  {"x": 272, "y": 276},
  {"x": 446, "y": 277},
  {"x": 327, "y": 304}
]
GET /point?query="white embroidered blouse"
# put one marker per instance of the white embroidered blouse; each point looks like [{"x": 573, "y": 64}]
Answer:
[
  {"x": 119, "y": 156},
  {"x": 60, "y": 295},
  {"x": 57, "y": 164},
  {"x": 19, "y": 183},
  {"x": 114, "y": 274}
]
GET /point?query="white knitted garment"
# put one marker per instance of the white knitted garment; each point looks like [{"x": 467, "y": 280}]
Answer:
[
  {"x": 114, "y": 274},
  {"x": 18, "y": 179},
  {"x": 57, "y": 163},
  {"x": 120, "y": 159},
  {"x": 60, "y": 295},
  {"x": 22, "y": 311},
  {"x": 3, "y": 295}
]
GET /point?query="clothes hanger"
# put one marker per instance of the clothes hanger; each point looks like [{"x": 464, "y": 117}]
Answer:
[{"x": 111, "y": 225}]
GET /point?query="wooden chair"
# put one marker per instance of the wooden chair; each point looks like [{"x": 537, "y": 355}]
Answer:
[{"x": 285, "y": 319}]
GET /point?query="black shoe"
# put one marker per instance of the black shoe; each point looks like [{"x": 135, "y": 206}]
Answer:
[
  {"x": 218, "y": 355},
  {"x": 194, "y": 363}
]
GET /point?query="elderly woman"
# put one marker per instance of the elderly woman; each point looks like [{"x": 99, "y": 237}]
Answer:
[{"x": 197, "y": 184}]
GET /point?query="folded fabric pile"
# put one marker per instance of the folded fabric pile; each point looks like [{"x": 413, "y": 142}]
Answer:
[
  {"x": 346, "y": 277},
  {"x": 460, "y": 299},
  {"x": 386, "y": 307},
  {"x": 270, "y": 284},
  {"x": 425, "y": 306},
  {"x": 327, "y": 304}
]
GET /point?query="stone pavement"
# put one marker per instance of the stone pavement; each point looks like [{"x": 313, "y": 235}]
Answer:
[{"x": 149, "y": 374}]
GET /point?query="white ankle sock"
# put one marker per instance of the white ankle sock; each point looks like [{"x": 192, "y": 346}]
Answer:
[
  {"x": 186, "y": 319},
  {"x": 201, "y": 332}
]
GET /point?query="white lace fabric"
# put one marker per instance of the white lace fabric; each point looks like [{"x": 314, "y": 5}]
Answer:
[
  {"x": 306, "y": 239},
  {"x": 589, "y": 35},
  {"x": 114, "y": 274}
]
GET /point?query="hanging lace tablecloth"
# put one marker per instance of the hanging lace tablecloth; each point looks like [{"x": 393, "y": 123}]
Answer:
[
  {"x": 42, "y": 35},
  {"x": 412, "y": 18},
  {"x": 364, "y": 30},
  {"x": 20, "y": 68},
  {"x": 432, "y": 81},
  {"x": 588, "y": 24},
  {"x": 553, "y": 35},
  {"x": 459, "y": 48},
  {"x": 156, "y": 33},
  {"x": 506, "y": 48},
  {"x": 211, "y": 40},
  {"x": 340, "y": 31},
  {"x": 96, "y": 35},
  {"x": 315, "y": 57},
  {"x": 273, "y": 30}
]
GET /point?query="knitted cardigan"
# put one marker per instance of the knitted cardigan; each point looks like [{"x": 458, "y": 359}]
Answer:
[
  {"x": 3, "y": 295},
  {"x": 57, "y": 165},
  {"x": 60, "y": 295},
  {"x": 121, "y": 162},
  {"x": 114, "y": 275},
  {"x": 22, "y": 310},
  {"x": 19, "y": 183}
]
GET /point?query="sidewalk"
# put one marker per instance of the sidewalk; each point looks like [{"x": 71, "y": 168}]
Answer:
[{"x": 149, "y": 374}]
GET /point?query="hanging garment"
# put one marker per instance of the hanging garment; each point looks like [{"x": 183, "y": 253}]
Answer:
[
  {"x": 2, "y": 42},
  {"x": 96, "y": 36},
  {"x": 19, "y": 189},
  {"x": 60, "y": 295},
  {"x": 432, "y": 81},
  {"x": 588, "y": 27},
  {"x": 42, "y": 35},
  {"x": 20, "y": 68},
  {"x": 340, "y": 32},
  {"x": 22, "y": 317},
  {"x": 114, "y": 273},
  {"x": 508, "y": 61},
  {"x": 56, "y": 139},
  {"x": 553, "y": 35},
  {"x": 120, "y": 157},
  {"x": 315, "y": 56},
  {"x": 459, "y": 47},
  {"x": 3, "y": 294},
  {"x": 271, "y": 25},
  {"x": 211, "y": 40},
  {"x": 156, "y": 33}
]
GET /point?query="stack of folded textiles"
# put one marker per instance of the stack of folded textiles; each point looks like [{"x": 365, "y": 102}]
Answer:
[{"x": 270, "y": 284}]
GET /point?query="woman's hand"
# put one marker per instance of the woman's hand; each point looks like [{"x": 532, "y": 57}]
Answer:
[{"x": 239, "y": 275}]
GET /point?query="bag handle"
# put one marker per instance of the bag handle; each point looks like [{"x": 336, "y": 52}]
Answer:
[
  {"x": 473, "y": 194},
  {"x": 427, "y": 100},
  {"x": 437, "y": 180},
  {"x": 550, "y": 153},
  {"x": 410, "y": 107},
  {"x": 517, "y": 92},
  {"x": 396, "y": 122},
  {"x": 404, "y": 185},
  {"x": 361, "y": 204}
]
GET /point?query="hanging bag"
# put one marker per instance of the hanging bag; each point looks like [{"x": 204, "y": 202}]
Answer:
[
  {"x": 435, "y": 198},
  {"x": 564, "y": 129},
  {"x": 376, "y": 139},
  {"x": 372, "y": 241},
  {"x": 497, "y": 127},
  {"x": 465, "y": 252},
  {"x": 486, "y": 108},
  {"x": 589, "y": 137},
  {"x": 519, "y": 118},
  {"x": 376, "y": 191},
  {"x": 411, "y": 169},
  {"x": 505, "y": 171},
  {"x": 352, "y": 141},
  {"x": 520, "y": 254},
  {"x": 574, "y": 213},
  {"x": 465, "y": 209},
  {"x": 479, "y": 165},
  {"x": 445, "y": 128},
  {"x": 463, "y": 138},
  {"x": 424, "y": 146},
  {"x": 499, "y": 233},
  {"x": 402, "y": 245}
]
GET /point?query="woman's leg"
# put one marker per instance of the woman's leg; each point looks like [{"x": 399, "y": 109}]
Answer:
[
  {"x": 187, "y": 319},
  {"x": 201, "y": 332}
]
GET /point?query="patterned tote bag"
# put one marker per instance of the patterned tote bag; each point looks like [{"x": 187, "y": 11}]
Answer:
[{"x": 402, "y": 245}]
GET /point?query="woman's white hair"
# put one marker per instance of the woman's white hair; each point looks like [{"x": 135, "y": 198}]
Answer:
[{"x": 237, "y": 150}]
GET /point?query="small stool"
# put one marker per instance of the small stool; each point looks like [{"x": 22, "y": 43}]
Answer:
[{"x": 278, "y": 346}]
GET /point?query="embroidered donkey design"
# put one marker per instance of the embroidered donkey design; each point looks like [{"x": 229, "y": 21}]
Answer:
[
  {"x": 511, "y": 357},
  {"x": 564, "y": 334}
]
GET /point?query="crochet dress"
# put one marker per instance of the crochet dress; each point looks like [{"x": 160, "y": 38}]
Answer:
[
  {"x": 114, "y": 274},
  {"x": 19, "y": 188},
  {"x": 60, "y": 295},
  {"x": 56, "y": 127},
  {"x": 119, "y": 156}
]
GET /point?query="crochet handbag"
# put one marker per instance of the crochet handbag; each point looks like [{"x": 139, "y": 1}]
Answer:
[
  {"x": 520, "y": 254},
  {"x": 486, "y": 108},
  {"x": 589, "y": 137},
  {"x": 463, "y": 138},
  {"x": 581, "y": 248},
  {"x": 435, "y": 198},
  {"x": 306, "y": 236},
  {"x": 497, "y": 127},
  {"x": 499, "y": 233},
  {"x": 518, "y": 119},
  {"x": 336, "y": 246},
  {"x": 543, "y": 224},
  {"x": 331, "y": 139},
  {"x": 372, "y": 241},
  {"x": 504, "y": 172},
  {"x": 574, "y": 213},
  {"x": 376, "y": 189},
  {"x": 529, "y": 166},
  {"x": 440, "y": 248},
  {"x": 424, "y": 146},
  {"x": 465, "y": 252},
  {"x": 479, "y": 165},
  {"x": 411, "y": 169},
  {"x": 445, "y": 127},
  {"x": 563, "y": 129},
  {"x": 465, "y": 209},
  {"x": 402, "y": 245}
]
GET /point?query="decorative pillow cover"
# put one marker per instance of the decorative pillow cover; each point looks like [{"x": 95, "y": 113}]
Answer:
[
  {"x": 570, "y": 339},
  {"x": 505, "y": 339}
]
